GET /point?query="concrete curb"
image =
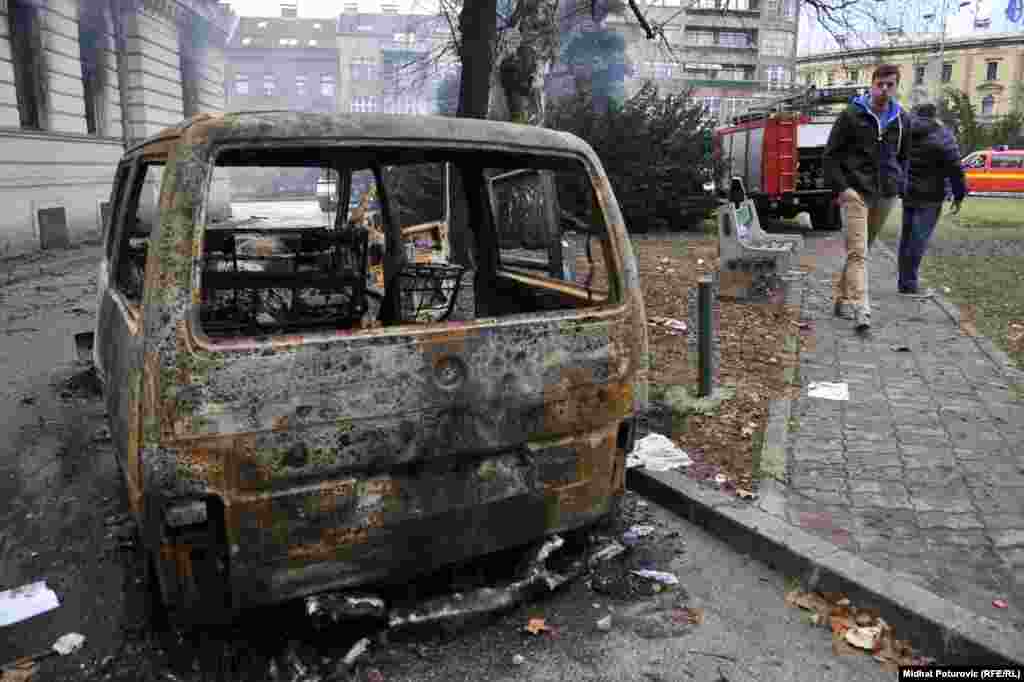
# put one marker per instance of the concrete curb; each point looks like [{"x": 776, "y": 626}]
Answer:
[
  {"x": 995, "y": 354},
  {"x": 934, "y": 626}
]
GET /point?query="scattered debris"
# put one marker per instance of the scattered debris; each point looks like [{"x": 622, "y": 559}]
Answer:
[
  {"x": 69, "y": 643},
  {"x": 1000, "y": 603},
  {"x": 19, "y": 671},
  {"x": 721, "y": 479},
  {"x": 669, "y": 323},
  {"x": 689, "y": 615},
  {"x": 658, "y": 576},
  {"x": 535, "y": 626},
  {"x": 605, "y": 624},
  {"x": 357, "y": 650},
  {"x": 607, "y": 552},
  {"x": 900, "y": 348},
  {"x": 374, "y": 675},
  {"x": 745, "y": 494},
  {"x": 724, "y": 657},
  {"x": 102, "y": 434},
  {"x": 657, "y": 453},
  {"x": 863, "y": 637},
  {"x": 332, "y": 608},
  {"x": 829, "y": 390},
  {"x": 518, "y": 659},
  {"x": 28, "y": 400},
  {"x": 22, "y": 603},
  {"x": 854, "y": 630},
  {"x": 641, "y": 531}
]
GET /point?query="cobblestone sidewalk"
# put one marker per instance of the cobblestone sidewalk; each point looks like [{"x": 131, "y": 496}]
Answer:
[{"x": 921, "y": 471}]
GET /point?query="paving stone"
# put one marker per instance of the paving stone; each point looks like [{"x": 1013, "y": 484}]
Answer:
[
  {"x": 1001, "y": 521},
  {"x": 983, "y": 455},
  {"x": 999, "y": 501},
  {"x": 942, "y": 538},
  {"x": 932, "y": 457},
  {"x": 1006, "y": 539},
  {"x": 816, "y": 482},
  {"x": 823, "y": 458},
  {"x": 880, "y": 500},
  {"x": 880, "y": 560},
  {"x": 942, "y": 475},
  {"x": 858, "y": 461},
  {"x": 995, "y": 479},
  {"x": 937, "y": 499},
  {"x": 886, "y": 543},
  {"x": 826, "y": 497},
  {"x": 877, "y": 473}
]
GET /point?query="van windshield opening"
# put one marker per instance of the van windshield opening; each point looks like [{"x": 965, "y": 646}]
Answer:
[{"x": 308, "y": 239}]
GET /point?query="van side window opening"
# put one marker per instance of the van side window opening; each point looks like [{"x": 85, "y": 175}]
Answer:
[
  {"x": 282, "y": 265},
  {"x": 133, "y": 226}
]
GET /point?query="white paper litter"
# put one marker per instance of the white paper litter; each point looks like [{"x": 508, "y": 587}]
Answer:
[
  {"x": 357, "y": 650},
  {"x": 69, "y": 643},
  {"x": 23, "y": 602},
  {"x": 829, "y": 391},
  {"x": 864, "y": 637},
  {"x": 641, "y": 531},
  {"x": 657, "y": 453},
  {"x": 659, "y": 576}
]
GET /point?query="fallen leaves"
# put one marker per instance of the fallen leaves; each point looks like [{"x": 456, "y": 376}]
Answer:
[{"x": 855, "y": 631}]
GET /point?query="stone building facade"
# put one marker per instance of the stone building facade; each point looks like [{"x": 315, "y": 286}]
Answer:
[
  {"x": 988, "y": 67},
  {"x": 730, "y": 54},
  {"x": 80, "y": 80}
]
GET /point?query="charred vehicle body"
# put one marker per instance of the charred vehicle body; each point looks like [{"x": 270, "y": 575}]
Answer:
[{"x": 289, "y": 421}]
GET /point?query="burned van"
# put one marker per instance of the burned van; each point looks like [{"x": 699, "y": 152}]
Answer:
[{"x": 446, "y": 365}]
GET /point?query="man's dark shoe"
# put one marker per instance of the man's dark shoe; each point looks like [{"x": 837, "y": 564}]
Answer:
[
  {"x": 916, "y": 291},
  {"x": 862, "y": 320}
]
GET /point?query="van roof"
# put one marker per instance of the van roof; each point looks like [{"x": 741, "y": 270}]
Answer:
[{"x": 291, "y": 125}]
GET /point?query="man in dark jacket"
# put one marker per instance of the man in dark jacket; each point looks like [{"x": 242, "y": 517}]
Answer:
[
  {"x": 864, "y": 160},
  {"x": 934, "y": 162}
]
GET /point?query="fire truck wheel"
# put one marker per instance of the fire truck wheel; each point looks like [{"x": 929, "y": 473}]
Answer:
[{"x": 826, "y": 218}]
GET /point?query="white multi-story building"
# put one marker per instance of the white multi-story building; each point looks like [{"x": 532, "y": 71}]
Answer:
[{"x": 80, "y": 79}]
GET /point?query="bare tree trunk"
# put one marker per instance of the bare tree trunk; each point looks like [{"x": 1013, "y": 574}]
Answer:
[
  {"x": 525, "y": 59},
  {"x": 478, "y": 28}
]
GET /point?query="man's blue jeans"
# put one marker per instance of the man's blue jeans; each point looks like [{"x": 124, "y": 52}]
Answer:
[{"x": 918, "y": 225}]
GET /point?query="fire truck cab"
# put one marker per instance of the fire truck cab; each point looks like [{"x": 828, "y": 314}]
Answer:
[{"x": 777, "y": 150}]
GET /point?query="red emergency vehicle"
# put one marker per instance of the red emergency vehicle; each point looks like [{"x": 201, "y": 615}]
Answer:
[{"x": 777, "y": 150}]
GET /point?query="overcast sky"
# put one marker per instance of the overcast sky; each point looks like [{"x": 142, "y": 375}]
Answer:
[
  {"x": 813, "y": 38},
  {"x": 321, "y": 9}
]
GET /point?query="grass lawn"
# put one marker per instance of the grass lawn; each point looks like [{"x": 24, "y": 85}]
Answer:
[
  {"x": 979, "y": 219},
  {"x": 994, "y": 285}
]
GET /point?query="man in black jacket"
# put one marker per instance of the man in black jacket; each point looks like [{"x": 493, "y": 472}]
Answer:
[
  {"x": 864, "y": 160},
  {"x": 934, "y": 161}
]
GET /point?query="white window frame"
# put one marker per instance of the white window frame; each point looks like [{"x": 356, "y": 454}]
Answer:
[{"x": 328, "y": 85}]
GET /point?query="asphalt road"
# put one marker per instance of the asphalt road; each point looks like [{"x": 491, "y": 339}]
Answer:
[{"x": 59, "y": 488}]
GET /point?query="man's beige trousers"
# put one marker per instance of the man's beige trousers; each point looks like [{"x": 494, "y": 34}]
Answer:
[{"x": 862, "y": 221}]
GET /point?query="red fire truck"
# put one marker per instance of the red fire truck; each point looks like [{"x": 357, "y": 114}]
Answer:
[{"x": 777, "y": 150}]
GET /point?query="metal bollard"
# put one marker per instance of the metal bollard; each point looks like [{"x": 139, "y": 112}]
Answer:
[{"x": 705, "y": 331}]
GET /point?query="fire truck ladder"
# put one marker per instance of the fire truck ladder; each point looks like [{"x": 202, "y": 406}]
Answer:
[{"x": 802, "y": 101}]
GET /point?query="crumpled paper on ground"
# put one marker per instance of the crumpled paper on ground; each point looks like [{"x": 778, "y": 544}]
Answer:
[
  {"x": 657, "y": 453},
  {"x": 23, "y": 602},
  {"x": 829, "y": 390}
]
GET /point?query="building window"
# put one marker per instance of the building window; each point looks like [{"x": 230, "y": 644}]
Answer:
[
  {"x": 777, "y": 44},
  {"x": 317, "y": 26},
  {"x": 992, "y": 72},
  {"x": 777, "y": 74},
  {"x": 700, "y": 37},
  {"x": 269, "y": 85},
  {"x": 363, "y": 69},
  {"x": 659, "y": 70},
  {"x": 947, "y": 72},
  {"x": 734, "y": 39},
  {"x": 23, "y": 28},
  {"x": 918, "y": 75},
  {"x": 853, "y": 75},
  {"x": 789, "y": 9},
  {"x": 830, "y": 79},
  {"x": 327, "y": 85},
  {"x": 664, "y": 3},
  {"x": 988, "y": 105},
  {"x": 241, "y": 84},
  {"x": 809, "y": 79},
  {"x": 300, "y": 86},
  {"x": 91, "y": 38},
  {"x": 364, "y": 104},
  {"x": 771, "y": 5},
  {"x": 712, "y": 107}
]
